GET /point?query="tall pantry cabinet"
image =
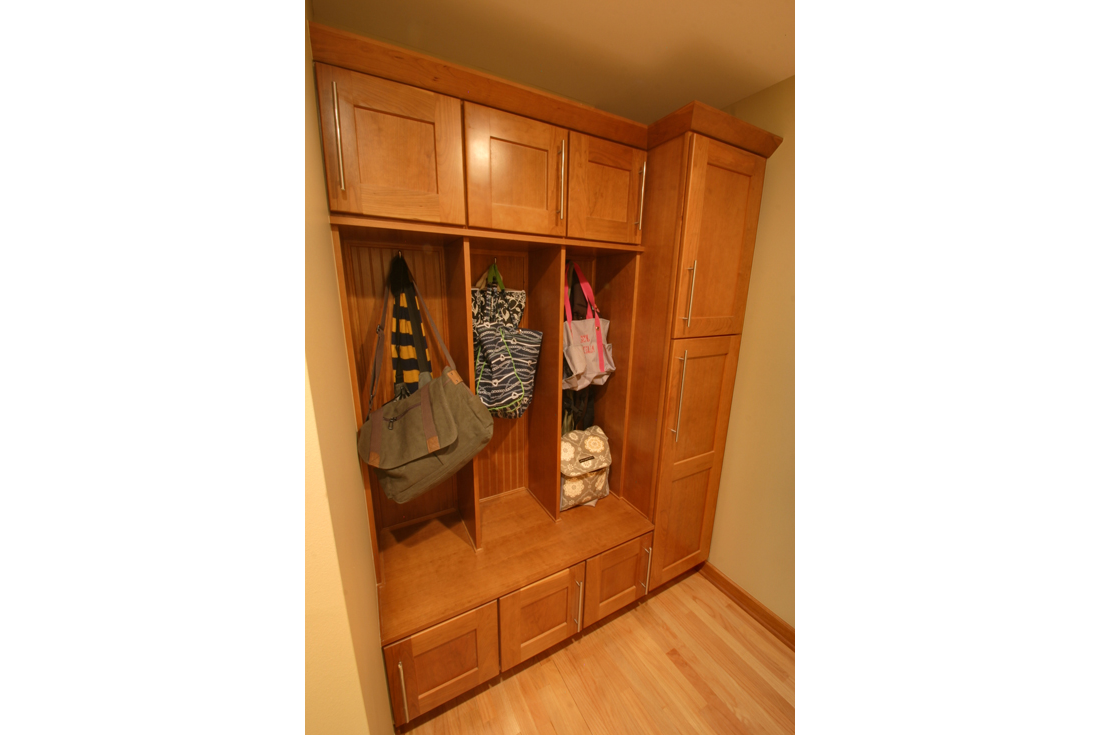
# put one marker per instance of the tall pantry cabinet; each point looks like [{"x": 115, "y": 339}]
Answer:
[
  {"x": 699, "y": 235},
  {"x": 456, "y": 171}
]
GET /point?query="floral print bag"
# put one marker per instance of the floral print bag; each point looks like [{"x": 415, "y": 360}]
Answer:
[{"x": 585, "y": 463}]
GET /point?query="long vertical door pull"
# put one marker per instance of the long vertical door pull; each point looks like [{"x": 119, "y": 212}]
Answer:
[
  {"x": 339, "y": 144},
  {"x": 691, "y": 293},
  {"x": 561, "y": 184},
  {"x": 641, "y": 199},
  {"x": 680, "y": 403}
]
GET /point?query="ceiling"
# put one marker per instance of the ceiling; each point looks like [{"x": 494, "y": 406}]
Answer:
[{"x": 641, "y": 59}]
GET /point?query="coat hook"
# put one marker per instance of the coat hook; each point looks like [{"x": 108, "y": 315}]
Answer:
[{"x": 494, "y": 261}]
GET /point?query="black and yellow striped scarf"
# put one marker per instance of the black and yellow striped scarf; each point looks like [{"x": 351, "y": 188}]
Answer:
[{"x": 406, "y": 366}]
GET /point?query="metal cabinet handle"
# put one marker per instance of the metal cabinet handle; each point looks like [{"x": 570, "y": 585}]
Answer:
[
  {"x": 580, "y": 606},
  {"x": 339, "y": 144},
  {"x": 404, "y": 697},
  {"x": 680, "y": 405},
  {"x": 648, "y": 565},
  {"x": 641, "y": 203},
  {"x": 691, "y": 293},
  {"x": 561, "y": 184}
]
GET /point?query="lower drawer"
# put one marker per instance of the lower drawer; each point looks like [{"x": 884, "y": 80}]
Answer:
[
  {"x": 436, "y": 665},
  {"x": 541, "y": 614},
  {"x": 617, "y": 578}
]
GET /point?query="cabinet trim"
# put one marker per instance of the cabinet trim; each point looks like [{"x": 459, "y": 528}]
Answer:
[{"x": 379, "y": 59}]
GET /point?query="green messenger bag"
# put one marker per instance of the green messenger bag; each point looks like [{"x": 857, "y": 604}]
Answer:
[{"x": 417, "y": 442}]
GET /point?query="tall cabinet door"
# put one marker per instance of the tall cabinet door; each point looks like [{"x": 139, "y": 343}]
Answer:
[
  {"x": 719, "y": 233},
  {"x": 390, "y": 150},
  {"x": 696, "y": 416},
  {"x": 516, "y": 172},
  {"x": 605, "y": 185}
]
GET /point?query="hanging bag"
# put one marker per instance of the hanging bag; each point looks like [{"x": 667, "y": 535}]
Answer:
[
  {"x": 587, "y": 354},
  {"x": 505, "y": 356},
  {"x": 585, "y": 463},
  {"x": 417, "y": 442}
]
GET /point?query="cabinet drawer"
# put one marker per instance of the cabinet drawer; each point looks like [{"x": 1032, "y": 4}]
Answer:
[
  {"x": 616, "y": 578},
  {"x": 438, "y": 664},
  {"x": 539, "y": 615},
  {"x": 390, "y": 150}
]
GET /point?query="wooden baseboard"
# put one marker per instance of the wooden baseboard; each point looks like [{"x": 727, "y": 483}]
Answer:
[{"x": 782, "y": 630}]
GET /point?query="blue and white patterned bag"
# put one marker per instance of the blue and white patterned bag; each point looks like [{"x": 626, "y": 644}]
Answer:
[{"x": 505, "y": 356}]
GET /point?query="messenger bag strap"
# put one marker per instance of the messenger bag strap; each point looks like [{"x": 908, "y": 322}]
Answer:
[
  {"x": 380, "y": 333},
  {"x": 435, "y": 331}
]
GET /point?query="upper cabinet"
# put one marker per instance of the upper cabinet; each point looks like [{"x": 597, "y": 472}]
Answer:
[
  {"x": 605, "y": 192},
  {"x": 390, "y": 150},
  {"x": 719, "y": 232},
  {"x": 515, "y": 172}
]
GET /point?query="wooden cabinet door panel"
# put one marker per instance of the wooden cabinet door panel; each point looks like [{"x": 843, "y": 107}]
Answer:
[
  {"x": 539, "y": 615},
  {"x": 719, "y": 234},
  {"x": 616, "y": 578},
  {"x": 604, "y": 190},
  {"x": 690, "y": 466},
  {"x": 515, "y": 172},
  {"x": 400, "y": 148},
  {"x": 438, "y": 664}
]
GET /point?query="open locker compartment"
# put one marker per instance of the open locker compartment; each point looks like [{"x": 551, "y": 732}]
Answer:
[{"x": 482, "y": 533}]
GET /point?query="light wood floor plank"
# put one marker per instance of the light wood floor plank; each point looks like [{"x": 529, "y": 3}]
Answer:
[
  {"x": 731, "y": 633},
  {"x": 714, "y": 655},
  {"x": 686, "y": 660}
]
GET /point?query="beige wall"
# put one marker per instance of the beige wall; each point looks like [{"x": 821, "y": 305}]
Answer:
[
  {"x": 754, "y": 525},
  {"x": 344, "y": 675}
]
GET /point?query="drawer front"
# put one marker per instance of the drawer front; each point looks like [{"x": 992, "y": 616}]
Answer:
[
  {"x": 616, "y": 578},
  {"x": 438, "y": 664},
  {"x": 540, "y": 615}
]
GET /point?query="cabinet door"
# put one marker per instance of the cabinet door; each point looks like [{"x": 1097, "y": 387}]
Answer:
[
  {"x": 539, "y": 615},
  {"x": 515, "y": 172},
  {"x": 616, "y": 578},
  {"x": 438, "y": 664},
  {"x": 391, "y": 150},
  {"x": 605, "y": 185},
  {"x": 719, "y": 233},
  {"x": 696, "y": 416}
]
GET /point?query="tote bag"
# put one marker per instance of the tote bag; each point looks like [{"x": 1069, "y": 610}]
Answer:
[
  {"x": 505, "y": 356},
  {"x": 587, "y": 352}
]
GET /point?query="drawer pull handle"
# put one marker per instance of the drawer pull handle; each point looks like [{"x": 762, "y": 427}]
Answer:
[
  {"x": 404, "y": 697},
  {"x": 580, "y": 605},
  {"x": 641, "y": 202},
  {"x": 648, "y": 565},
  {"x": 339, "y": 143}
]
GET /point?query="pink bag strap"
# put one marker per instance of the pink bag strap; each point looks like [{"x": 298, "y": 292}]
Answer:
[{"x": 593, "y": 312}]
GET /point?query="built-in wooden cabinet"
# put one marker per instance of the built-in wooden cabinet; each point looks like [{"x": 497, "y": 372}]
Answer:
[
  {"x": 606, "y": 182},
  {"x": 696, "y": 416},
  {"x": 436, "y": 665},
  {"x": 719, "y": 231},
  {"x": 617, "y": 578},
  {"x": 391, "y": 150},
  {"x": 457, "y": 170},
  {"x": 515, "y": 172},
  {"x": 540, "y": 615}
]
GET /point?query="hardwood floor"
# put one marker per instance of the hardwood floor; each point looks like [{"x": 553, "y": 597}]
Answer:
[{"x": 685, "y": 660}]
